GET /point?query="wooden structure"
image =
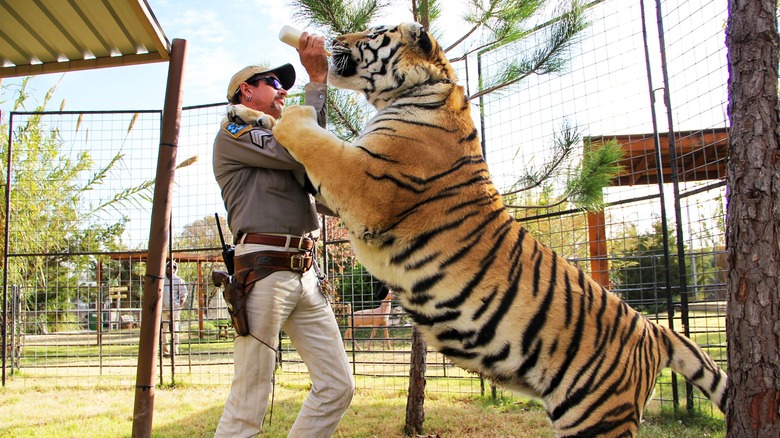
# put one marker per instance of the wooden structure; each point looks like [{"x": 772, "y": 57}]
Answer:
[
  {"x": 700, "y": 155},
  {"x": 181, "y": 257}
]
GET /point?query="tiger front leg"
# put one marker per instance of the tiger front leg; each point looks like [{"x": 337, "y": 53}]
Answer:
[
  {"x": 336, "y": 169},
  {"x": 297, "y": 130}
]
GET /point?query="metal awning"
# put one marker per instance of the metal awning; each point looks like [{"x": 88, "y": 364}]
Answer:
[{"x": 51, "y": 36}]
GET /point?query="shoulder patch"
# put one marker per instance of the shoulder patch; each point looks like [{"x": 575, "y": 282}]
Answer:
[
  {"x": 259, "y": 137},
  {"x": 236, "y": 130}
]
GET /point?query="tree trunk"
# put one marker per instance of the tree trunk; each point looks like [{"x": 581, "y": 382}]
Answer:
[
  {"x": 753, "y": 221},
  {"x": 415, "y": 413}
]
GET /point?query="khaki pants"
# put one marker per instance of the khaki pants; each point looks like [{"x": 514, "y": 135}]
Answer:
[
  {"x": 290, "y": 301},
  {"x": 166, "y": 342}
]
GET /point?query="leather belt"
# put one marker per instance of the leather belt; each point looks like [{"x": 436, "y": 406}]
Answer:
[
  {"x": 255, "y": 266},
  {"x": 284, "y": 261},
  {"x": 301, "y": 243}
]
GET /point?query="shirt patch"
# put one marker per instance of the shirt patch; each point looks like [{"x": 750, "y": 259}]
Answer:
[
  {"x": 259, "y": 137},
  {"x": 236, "y": 130}
]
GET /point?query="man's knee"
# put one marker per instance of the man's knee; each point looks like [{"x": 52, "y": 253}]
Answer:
[
  {"x": 339, "y": 392},
  {"x": 345, "y": 392}
]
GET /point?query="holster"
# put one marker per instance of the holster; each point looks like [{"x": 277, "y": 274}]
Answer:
[
  {"x": 235, "y": 297},
  {"x": 251, "y": 268}
]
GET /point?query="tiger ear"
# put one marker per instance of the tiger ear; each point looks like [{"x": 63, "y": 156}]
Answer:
[{"x": 424, "y": 41}]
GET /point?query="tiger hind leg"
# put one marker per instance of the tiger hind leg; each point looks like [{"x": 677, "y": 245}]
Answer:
[{"x": 602, "y": 429}]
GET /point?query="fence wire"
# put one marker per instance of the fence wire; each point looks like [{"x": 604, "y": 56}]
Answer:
[{"x": 74, "y": 270}]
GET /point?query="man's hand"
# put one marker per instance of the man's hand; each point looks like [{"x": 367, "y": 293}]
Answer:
[{"x": 314, "y": 57}]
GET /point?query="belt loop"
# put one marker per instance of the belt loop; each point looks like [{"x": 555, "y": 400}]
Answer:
[
  {"x": 242, "y": 238},
  {"x": 300, "y": 243},
  {"x": 287, "y": 244}
]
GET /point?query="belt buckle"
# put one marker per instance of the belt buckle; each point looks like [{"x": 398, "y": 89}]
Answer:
[{"x": 296, "y": 262}]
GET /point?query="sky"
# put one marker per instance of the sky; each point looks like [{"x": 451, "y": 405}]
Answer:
[{"x": 222, "y": 37}]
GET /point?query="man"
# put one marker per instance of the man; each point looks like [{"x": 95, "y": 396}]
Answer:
[
  {"x": 273, "y": 219},
  {"x": 179, "y": 298}
]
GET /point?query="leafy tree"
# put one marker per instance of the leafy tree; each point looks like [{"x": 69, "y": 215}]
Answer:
[
  {"x": 349, "y": 277},
  {"x": 708, "y": 267},
  {"x": 202, "y": 235},
  {"x": 51, "y": 215}
]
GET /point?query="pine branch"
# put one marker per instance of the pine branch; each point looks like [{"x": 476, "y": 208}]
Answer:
[
  {"x": 584, "y": 188},
  {"x": 537, "y": 207},
  {"x": 342, "y": 119},
  {"x": 547, "y": 59},
  {"x": 337, "y": 16},
  {"x": 563, "y": 146},
  {"x": 463, "y": 38},
  {"x": 599, "y": 168}
]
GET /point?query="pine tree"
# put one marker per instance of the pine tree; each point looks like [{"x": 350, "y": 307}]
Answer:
[{"x": 753, "y": 215}]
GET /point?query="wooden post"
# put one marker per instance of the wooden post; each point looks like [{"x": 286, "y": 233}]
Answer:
[
  {"x": 201, "y": 299},
  {"x": 415, "y": 412},
  {"x": 597, "y": 240},
  {"x": 151, "y": 307}
]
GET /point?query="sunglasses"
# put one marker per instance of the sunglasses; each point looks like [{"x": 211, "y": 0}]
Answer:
[{"x": 269, "y": 80}]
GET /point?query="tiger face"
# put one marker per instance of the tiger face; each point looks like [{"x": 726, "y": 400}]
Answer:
[{"x": 361, "y": 60}]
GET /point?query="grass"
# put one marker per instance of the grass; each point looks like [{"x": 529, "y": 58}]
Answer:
[
  {"x": 194, "y": 411},
  {"x": 30, "y": 408},
  {"x": 682, "y": 424}
]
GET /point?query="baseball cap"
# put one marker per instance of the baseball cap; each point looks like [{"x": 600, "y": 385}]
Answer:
[{"x": 285, "y": 73}]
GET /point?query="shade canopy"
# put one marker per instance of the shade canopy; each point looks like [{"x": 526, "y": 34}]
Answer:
[{"x": 52, "y": 36}]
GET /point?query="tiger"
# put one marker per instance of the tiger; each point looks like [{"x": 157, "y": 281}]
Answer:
[{"x": 415, "y": 195}]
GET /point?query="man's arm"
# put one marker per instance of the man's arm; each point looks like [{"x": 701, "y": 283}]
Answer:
[
  {"x": 315, "y": 60},
  {"x": 183, "y": 292},
  {"x": 316, "y": 96}
]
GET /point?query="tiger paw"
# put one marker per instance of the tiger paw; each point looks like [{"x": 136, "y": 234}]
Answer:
[
  {"x": 242, "y": 115},
  {"x": 265, "y": 121}
]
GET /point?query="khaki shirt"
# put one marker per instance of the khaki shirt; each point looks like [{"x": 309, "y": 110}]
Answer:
[{"x": 261, "y": 183}]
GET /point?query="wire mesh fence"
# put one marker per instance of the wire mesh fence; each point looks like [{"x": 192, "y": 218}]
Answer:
[
  {"x": 78, "y": 218},
  {"x": 659, "y": 241}
]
